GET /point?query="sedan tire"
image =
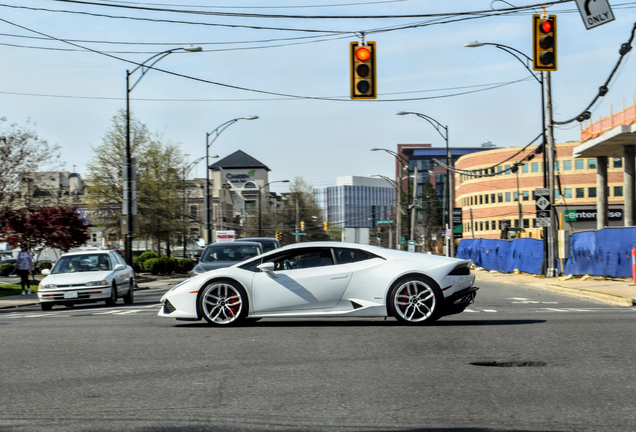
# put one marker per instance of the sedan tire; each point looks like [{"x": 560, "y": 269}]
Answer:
[
  {"x": 129, "y": 298},
  {"x": 46, "y": 306},
  {"x": 415, "y": 300},
  {"x": 112, "y": 300},
  {"x": 223, "y": 303}
]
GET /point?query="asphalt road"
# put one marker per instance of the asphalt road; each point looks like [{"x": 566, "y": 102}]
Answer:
[{"x": 98, "y": 368}]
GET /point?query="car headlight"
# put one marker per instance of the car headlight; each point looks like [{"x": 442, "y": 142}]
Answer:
[
  {"x": 47, "y": 286},
  {"x": 97, "y": 283}
]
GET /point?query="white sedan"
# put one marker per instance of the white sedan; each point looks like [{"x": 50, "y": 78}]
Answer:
[
  {"x": 326, "y": 279},
  {"x": 86, "y": 277}
]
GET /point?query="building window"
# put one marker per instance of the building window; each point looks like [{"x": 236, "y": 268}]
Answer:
[
  {"x": 591, "y": 192},
  {"x": 567, "y": 165},
  {"x": 526, "y": 196},
  {"x": 557, "y": 166},
  {"x": 515, "y": 197},
  {"x": 618, "y": 191},
  {"x": 194, "y": 212},
  {"x": 499, "y": 170},
  {"x": 618, "y": 163},
  {"x": 557, "y": 194},
  {"x": 580, "y": 192},
  {"x": 485, "y": 199},
  {"x": 579, "y": 164},
  {"x": 500, "y": 197},
  {"x": 493, "y": 225},
  {"x": 526, "y": 223},
  {"x": 591, "y": 164},
  {"x": 516, "y": 223},
  {"x": 524, "y": 168},
  {"x": 507, "y": 196},
  {"x": 567, "y": 193},
  {"x": 471, "y": 200},
  {"x": 481, "y": 226},
  {"x": 507, "y": 169},
  {"x": 535, "y": 167},
  {"x": 481, "y": 199},
  {"x": 492, "y": 198}
]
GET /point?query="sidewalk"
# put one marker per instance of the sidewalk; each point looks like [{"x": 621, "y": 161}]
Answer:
[
  {"x": 616, "y": 291},
  {"x": 143, "y": 282}
]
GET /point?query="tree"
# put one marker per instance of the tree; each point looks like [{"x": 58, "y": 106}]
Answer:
[
  {"x": 302, "y": 207},
  {"x": 158, "y": 182},
  {"x": 42, "y": 227},
  {"x": 430, "y": 212},
  {"x": 21, "y": 151}
]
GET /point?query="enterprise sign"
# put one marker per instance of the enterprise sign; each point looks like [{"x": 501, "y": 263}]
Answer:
[{"x": 590, "y": 215}]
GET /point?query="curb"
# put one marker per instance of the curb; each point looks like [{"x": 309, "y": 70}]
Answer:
[{"x": 620, "y": 301}]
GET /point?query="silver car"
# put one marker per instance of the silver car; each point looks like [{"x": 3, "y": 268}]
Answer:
[{"x": 87, "y": 277}]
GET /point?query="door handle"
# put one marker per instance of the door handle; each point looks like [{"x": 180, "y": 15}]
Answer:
[{"x": 339, "y": 276}]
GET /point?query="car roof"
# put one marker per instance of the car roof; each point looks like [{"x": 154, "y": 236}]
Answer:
[
  {"x": 96, "y": 251},
  {"x": 243, "y": 243},
  {"x": 256, "y": 239}
]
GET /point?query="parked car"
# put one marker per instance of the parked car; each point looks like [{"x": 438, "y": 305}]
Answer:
[
  {"x": 327, "y": 279},
  {"x": 87, "y": 277},
  {"x": 267, "y": 243},
  {"x": 219, "y": 255}
]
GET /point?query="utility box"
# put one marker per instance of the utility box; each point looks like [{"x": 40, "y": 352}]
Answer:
[
  {"x": 564, "y": 244},
  {"x": 355, "y": 235}
]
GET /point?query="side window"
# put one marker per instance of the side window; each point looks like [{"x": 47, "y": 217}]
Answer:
[
  {"x": 302, "y": 259},
  {"x": 118, "y": 259},
  {"x": 344, "y": 256},
  {"x": 251, "y": 266}
]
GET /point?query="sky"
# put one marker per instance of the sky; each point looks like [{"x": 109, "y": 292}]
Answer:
[{"x": 64, "y": 70}]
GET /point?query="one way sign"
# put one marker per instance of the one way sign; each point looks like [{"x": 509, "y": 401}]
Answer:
[{"x": 595, "y": 12}]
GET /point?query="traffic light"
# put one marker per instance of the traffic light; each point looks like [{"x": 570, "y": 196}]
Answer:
[
  {"x": 363, "y": 82},
  {"x": 544, "y": 43},
  {"x": 302, "y": 225},
  {"x": 279, "y": 235},
  {"x": 326, "y": 226},
  {"x": 378, "y": 235}
]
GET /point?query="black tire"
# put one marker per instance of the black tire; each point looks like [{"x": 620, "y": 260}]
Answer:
[
  {"x": 223, "y": 303},
  {"x": 46, "y": 306},
  {"x": 112, "y": 300},
  {"x": 129, "y": 298},
  {"x": 415, "y": 300}
]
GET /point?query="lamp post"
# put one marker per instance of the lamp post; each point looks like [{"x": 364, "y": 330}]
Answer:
[
  {"x": 128, "y": 172},
  {"x": 398, "y": 213},
  {"x": 259, "y": 202},
  {"x": 208, "y": 201},
  {"x": 548, "y": 165},
  {"x": 443, "y": 131}
]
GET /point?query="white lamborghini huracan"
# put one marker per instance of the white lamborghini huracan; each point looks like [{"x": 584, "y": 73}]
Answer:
[{"x": 326, "y": 279}]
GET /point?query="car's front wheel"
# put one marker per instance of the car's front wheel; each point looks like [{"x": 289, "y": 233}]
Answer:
[
  {"x": 415, "y": 300},
  {"x": 223, "y": 303},
  {"x": 46, "y": 306},
  {"x": 113, "y": 296}
]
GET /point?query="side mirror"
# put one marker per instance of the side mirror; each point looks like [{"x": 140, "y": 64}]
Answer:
[
  {"x": 120, "y": 267},
  {"x": 267, "y": 267},
  {"x": 46, "y": 272}
]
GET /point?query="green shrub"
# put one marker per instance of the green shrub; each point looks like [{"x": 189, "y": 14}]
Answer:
[
  {"x": 145, "y": 256},
  {"x": 41, "y": 266},
  {"x": 152, "y": 265},
  {"x": 135, "y": 265},
  {"x": 185, "y": 265},
  {"x": 168, "y": 264},
  {"x": 7, "y": 269}
]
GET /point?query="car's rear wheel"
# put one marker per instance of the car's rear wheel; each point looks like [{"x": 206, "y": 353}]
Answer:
[
  {"x": 130, "y": 297},
  {"x": 415, "y": 300},
  {"x": 46, "y": 306},
  {"x": 223, "y": 303},
  {"x": 112, "y": 300}
]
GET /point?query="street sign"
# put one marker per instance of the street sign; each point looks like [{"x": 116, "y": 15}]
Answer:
[
  {"x": 299, "y": 233},
  {"x": 411, "y": 245},
  {"x": 595, "y": 12},
  {"x": 458, "y": 226},
  {"x": 385, "y": 222},
  {"x": 543, "y": 208}
]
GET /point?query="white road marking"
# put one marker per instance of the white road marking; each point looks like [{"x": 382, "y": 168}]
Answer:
[
  {"x": 489, "y": 310},
  {"x": 108, "y": 312},
  {"x": 151, "y": 306},
  {"x": 128, "y": 312}
]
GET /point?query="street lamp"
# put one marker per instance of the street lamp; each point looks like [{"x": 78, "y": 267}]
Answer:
[
  {"x": 128, "y": 173},
  {"x": 259, "y": 201},
  {"x": 208, "y": 201},
  {"x": 398, "y": 214},
  {"x": 186, "y": 171},
  {"x": 548, "y": 165},
  {"x": 443, "y": 131}
]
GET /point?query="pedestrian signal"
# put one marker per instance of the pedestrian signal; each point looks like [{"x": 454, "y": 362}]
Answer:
[
  {"x": 363, "y": 73},
  {"x": 544, "y": 43}
]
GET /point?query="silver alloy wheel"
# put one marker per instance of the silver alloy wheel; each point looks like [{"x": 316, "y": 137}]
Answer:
[
  {"x": 222, "y": 303},
  {"x": 414, "y": 301}
]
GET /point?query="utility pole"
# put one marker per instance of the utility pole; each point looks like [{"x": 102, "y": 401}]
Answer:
[
  {"x": 297, "y": 221},
  {"x": 413, "y": 212},
  {"x": 519, "y": 203},
  {"x": 551, "y": 269}
]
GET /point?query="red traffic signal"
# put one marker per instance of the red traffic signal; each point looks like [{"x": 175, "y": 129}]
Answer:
[
  {"x": 544, "y": 43},
  {"x": 363, "y": 82}
]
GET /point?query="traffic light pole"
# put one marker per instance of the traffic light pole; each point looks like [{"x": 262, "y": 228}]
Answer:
[{"x": 551, "y": 269}]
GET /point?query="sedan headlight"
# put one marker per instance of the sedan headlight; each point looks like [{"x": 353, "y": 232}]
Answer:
[
  {"x": 97, "y": 283},
  {"x": 47, "y": 286}
]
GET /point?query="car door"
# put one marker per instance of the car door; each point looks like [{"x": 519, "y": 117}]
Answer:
[
  {"x": 305, "y": 278},
  {"x": 121, "y": 277}
]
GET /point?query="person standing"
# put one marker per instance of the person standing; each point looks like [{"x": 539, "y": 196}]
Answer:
[{"x": 25, "y": 265}]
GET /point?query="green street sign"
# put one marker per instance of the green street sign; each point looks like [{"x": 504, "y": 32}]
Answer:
[
  {"x": 385, "y": 222},
  {"x": 299, "y": 233}
]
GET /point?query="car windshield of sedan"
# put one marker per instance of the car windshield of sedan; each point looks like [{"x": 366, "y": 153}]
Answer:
[
  {"x": 82, "y": 263},
  {"x": 229, "y": 252}
]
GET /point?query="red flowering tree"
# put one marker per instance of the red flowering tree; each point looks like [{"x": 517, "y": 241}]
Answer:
[{"x": 42, "y": 227}]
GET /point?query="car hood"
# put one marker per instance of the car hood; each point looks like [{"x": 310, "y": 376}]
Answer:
[
  {"x": 207, "y": 266},
  {"x": 75, "y": 278}
]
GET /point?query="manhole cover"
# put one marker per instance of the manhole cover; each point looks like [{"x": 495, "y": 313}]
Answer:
[{"x": 510, "y": 363}]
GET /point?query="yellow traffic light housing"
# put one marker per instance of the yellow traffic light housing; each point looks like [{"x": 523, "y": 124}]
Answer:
[
  {"x": 302, "y": 225},
  {"x": 544, "y": 43},
  {"x": 326, "y": 226},
  {"x": 363, "y": 71}
]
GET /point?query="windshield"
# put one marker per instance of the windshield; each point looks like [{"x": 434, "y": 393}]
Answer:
[
  {"x": 82, "y": 263},
  {"x": 230, "y": 252}
]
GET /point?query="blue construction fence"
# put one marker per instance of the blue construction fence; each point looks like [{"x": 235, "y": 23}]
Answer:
[{"x": 606, "y": 252}]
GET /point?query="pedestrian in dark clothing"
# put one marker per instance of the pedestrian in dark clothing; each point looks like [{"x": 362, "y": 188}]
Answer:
[{"x": 25, "y": 265}]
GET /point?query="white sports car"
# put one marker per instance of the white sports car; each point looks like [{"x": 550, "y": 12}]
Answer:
[{"x": 326, "y": 279}]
